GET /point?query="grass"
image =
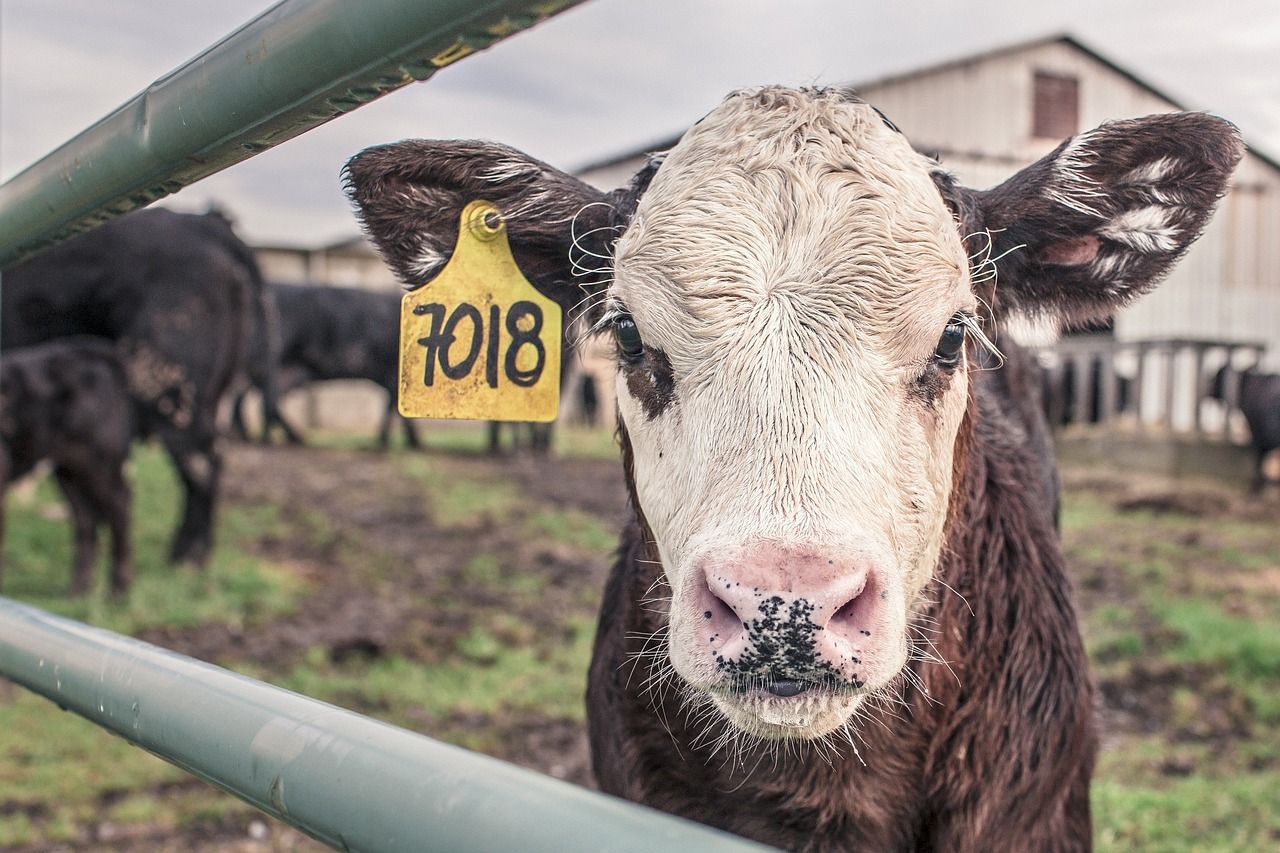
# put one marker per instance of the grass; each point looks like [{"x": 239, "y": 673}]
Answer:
[
  {"x": 236, "y": 588},
  {"x": 1161, "y": 626},
  {"x": 61, "y": 766},
  {"x": 487, "y": 677},
  {"x": 1245, "y": 649},
  {"x": 1177, "y": 609},
  {"x": 573, "y": 528},
  {"x": 1196, "y": 813},
  {"x": 60, "y": 775}
]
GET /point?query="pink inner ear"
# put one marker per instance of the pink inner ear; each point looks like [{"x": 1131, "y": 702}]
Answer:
[{"x": 1076, "y": 251}]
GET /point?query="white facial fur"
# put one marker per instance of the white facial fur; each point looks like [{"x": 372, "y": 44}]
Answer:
[{"x": 796, "y": 265}]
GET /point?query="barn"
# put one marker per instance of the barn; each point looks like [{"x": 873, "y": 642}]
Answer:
[
  {"x": 988, "y": 115},
  {"x": 985, "y": 116}
]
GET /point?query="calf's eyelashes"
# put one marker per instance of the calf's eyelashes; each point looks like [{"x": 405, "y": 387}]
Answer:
[{"x": 951, "y": 344}]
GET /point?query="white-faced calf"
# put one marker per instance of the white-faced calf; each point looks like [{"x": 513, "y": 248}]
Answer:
[{"x": 839, "y": 619}]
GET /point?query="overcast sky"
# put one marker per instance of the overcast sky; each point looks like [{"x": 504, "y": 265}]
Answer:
[{"x": 605, "y": 77}]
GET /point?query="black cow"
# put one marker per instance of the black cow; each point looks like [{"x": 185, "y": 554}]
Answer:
[
  {"x": 1058, "y": 392},
  {"x": 68, "y": 402},
  {"x": 176, "y": 292},
  {"x": 331, "y": 333},
  {"x": 1259, "y": 400}
]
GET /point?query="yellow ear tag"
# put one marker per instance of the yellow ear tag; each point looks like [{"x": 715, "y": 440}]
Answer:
[{"x": 479, "y": 341}]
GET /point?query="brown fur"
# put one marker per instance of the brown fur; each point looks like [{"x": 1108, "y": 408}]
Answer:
[
  {"x": 999, "y": 758},
  {"x": 998, "y": 754}
]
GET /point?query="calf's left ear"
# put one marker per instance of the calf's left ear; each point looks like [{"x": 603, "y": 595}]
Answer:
[{"x": 1101, "y": 219}]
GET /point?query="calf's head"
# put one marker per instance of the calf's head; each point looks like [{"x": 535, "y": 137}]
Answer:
[{"x": 798, "y": 299}]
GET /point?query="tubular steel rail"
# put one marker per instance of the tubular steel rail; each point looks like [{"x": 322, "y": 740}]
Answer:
[
  {"x": 294, "y": 67},
  {"x": 347, "y": 780}
]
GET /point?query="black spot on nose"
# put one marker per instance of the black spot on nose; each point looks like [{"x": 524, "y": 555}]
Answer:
[{"x": 786, "y": 687}]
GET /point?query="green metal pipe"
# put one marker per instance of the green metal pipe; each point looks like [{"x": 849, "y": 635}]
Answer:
[
  {"x": 299, "y": 64},
  {"x": 349, "y": 781}
]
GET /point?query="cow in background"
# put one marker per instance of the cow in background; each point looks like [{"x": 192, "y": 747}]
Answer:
[
  {"x": 68, "y": 402},
  {"x": 176, "y": 292},
  {"x": 1259, "y": 401},
  {"x": 328, "y": 333}
]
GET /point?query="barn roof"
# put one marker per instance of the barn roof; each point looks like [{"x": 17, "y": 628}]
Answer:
[{"x": 949, "y": 65}]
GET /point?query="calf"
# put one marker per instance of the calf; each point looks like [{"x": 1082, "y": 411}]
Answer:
[
  {"x": 332, "y": 333},
  {"x": 176, "y": 292},
  {"x": 1259, "y": 400},
  {"x": 68, "y": 402},
  {"x": 839, "y": 617}
]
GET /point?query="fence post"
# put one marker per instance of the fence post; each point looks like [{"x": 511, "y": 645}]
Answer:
[
  {"x": 347, "y": 780},
  {"x": 298, "y": 65}
]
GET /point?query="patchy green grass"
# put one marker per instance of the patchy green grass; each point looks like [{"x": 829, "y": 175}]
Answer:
[
  {"x": 1197, "y": 813},
  {"x": 61, "y": 776},
  {"x": 1181, "y": 614},
  {"x": 584, "y": 443},
  {"x": 573, "y": 528},
  {"x": 1182, "y": 623},
  {"x": 60, "y": 773},
  {"x": 236, "y": 588},
  {"x": 487, "y": 676},
  {"x": 459, "y": 497},
  {"x": 1245, "y": 649}
]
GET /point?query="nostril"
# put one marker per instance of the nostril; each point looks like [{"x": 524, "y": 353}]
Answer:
[
  {"x": 722, "y": 623},
  {"x": 856, "y": 611},
  {"x": 718, "y": 608},
  {"x": 845, "y": 613}
]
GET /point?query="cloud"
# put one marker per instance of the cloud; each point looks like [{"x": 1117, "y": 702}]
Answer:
[{"x": 605, "y": 77}]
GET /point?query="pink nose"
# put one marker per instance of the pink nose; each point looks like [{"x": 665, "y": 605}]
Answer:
[{"x": 775, "y": 613}]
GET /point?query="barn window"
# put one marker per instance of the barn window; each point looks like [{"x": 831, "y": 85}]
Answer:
[{"x": 1055, "y": 109}]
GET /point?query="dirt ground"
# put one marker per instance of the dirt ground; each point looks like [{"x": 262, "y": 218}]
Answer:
[
  {"x": 378, "y": 564},
  {"x": 362, "y": 497}
]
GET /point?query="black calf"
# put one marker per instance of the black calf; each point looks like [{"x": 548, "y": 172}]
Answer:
[
  {"x": 176, "y": 292},
  {"x": 68, "y": 402}
]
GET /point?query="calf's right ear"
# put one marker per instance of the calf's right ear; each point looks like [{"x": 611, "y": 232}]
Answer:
[{"x": 409, "y": 197}]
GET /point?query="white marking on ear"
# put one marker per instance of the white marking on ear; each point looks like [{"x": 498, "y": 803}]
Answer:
[
  {"x": 426, "y": 263},
  {"x": 1110, "y": 266},
  {"x": 1149, "y": 173},
  {"x": 1144, "y": 229},
  {"x": 507, "y": 169},
  {"x": 1166, "y": 198},
  {"x": 1074, "y": 187}
]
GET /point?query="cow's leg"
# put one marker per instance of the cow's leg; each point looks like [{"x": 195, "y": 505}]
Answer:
[
  {"x": 84, "y": 526},
  {"x": 542, "y": 435},
  {"x": 1259, "y": 471},
  {"x": 410, "y": 433},
  {"x": 495, "y": 438},
  {"x": 109, "y": 491},
  {"x": 384, "y": 429},
  {"x": 199, "y": 466},
  {"x": 277, "y": 418},
  {"x": 4, "y": 488},
  {"x": 291, "y": 433},
  {"x": 238, "y": 428}
]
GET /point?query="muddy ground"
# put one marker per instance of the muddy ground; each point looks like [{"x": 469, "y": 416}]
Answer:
[{"x": 379, "y": 563}]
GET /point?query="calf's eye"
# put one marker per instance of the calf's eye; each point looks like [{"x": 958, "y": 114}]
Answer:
[
  {"x": 628, "y": 336},
  {"x": 951, "y": 343}
]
